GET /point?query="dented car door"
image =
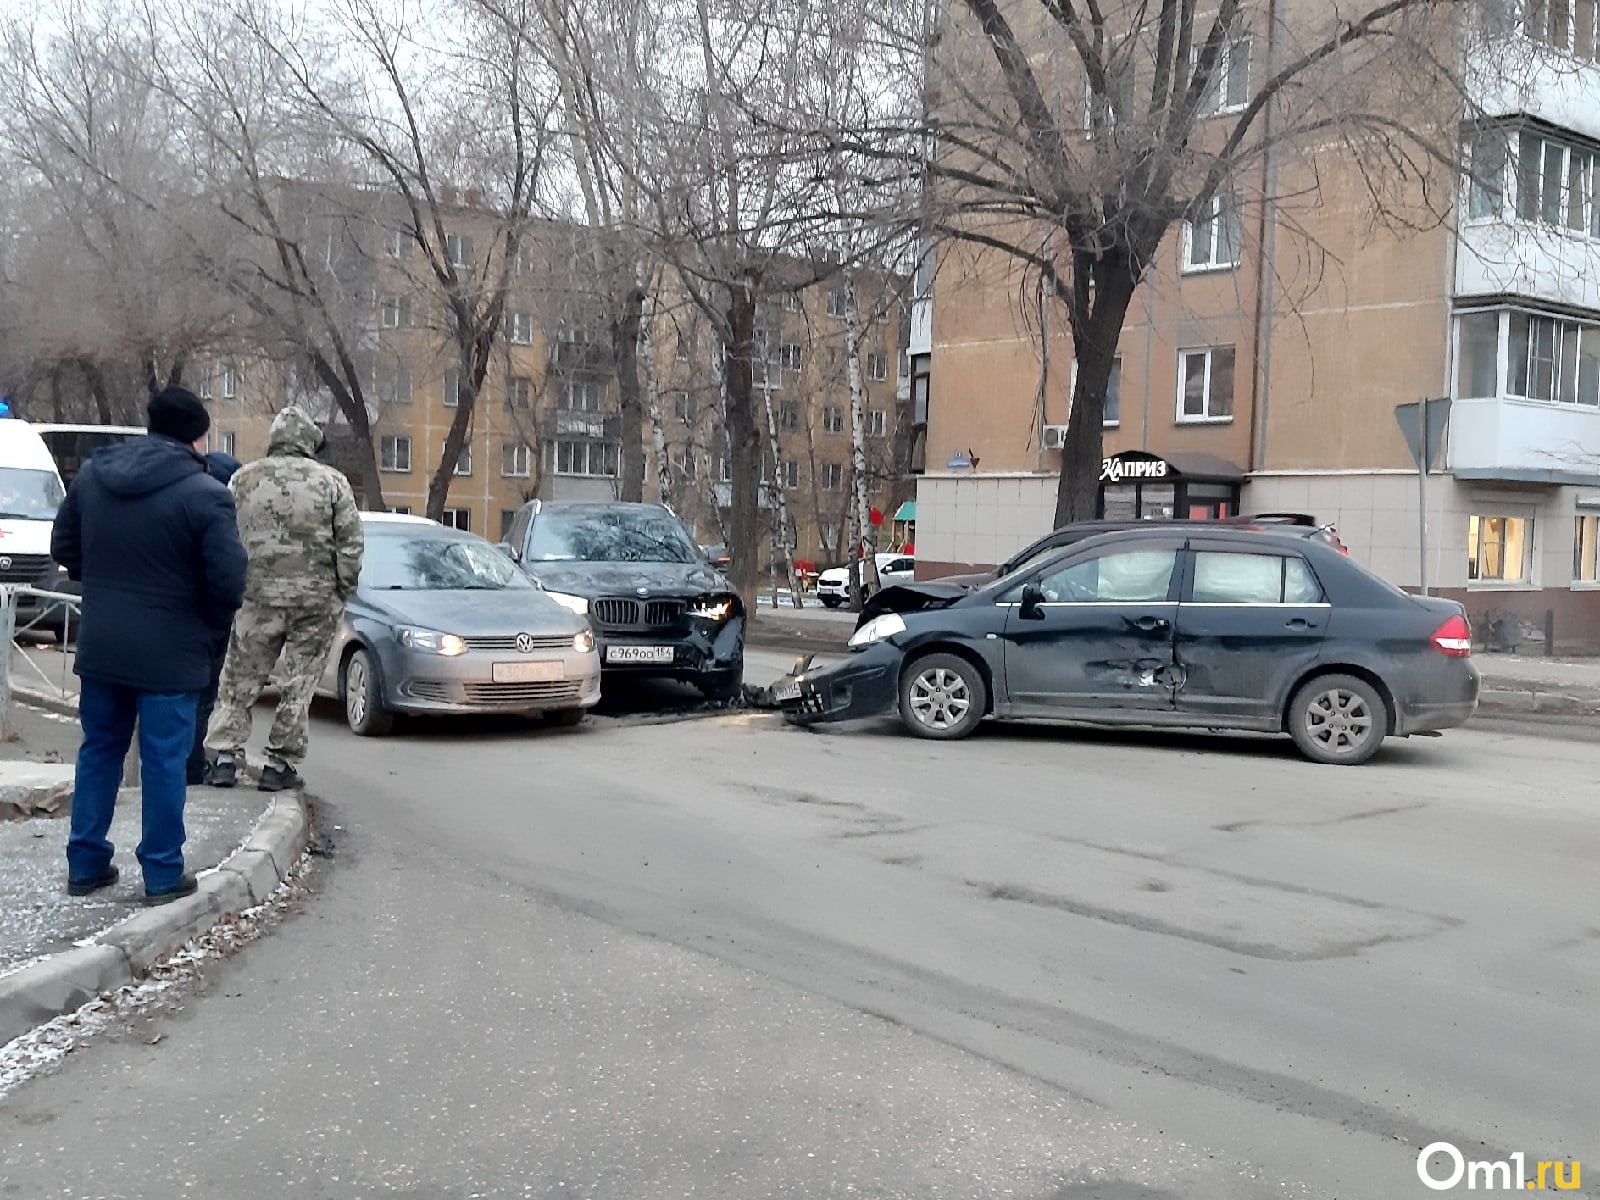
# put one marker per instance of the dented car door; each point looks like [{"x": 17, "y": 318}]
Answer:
[{"x": 1097, "y": 637}]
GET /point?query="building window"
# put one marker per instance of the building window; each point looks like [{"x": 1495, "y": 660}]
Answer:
[
  {"x": 579, "y": 395},
  {"x": 457, "y": 518},
  {"x": 1551, "y": 359},
  {"x": 516, "y": 460},
  {"x": 788, "y": 416},
  {"x": 397, "y": 243},
  {"x": 1555, "y": 184},
  {"x": 683, "y": 464},
  {"x": 1111, "y": 414},
  {"x": 450, "y": 389},
  {"x": 830, "y": 538},
  {"x": 400, "y": 510},
  {"x": 833, "y": 419},
  {"x": 684, "y": 408},
  {"x": 1486, "y": 158},
  {"x": 458, "y": 250},
  {"x": 1565, "y": 25},
  {"x": 793, "y": 302},
  {"x": 685, "y": 346},
  {"x": 792, "y": 356},
  {"x": 395, "y": 453},
  {"x": 519, "y": 392},
  {"x": 230, "y": 383},
  {"x": 832, "y": 477},
  {"x": 1586, "y": 550},
  {"x": 464, "y": 459},
  {"x": 577, "y": 457},
  {"x": 229, "y": 444},
  {"x": 789, "y": 472},
  {"x": 724, "y": 468},
  {"x": 508, "y": 518},
  {"x": 1478, "y": 356},
  {"x": 521, "y": 329},
  {"x": 1205, "y": 384},
  {"x": 877, "y": 366},
  {"x": 1229, "y": 88},
  {"x": 524, "y": 259},
  {"x": 836, "y": 304},
  {"x": 1499, "y": 549},
  {"x": 877, "y": 423},
  {"x": 395, "y": 312},
  {"x": 1212, "y": 242}
]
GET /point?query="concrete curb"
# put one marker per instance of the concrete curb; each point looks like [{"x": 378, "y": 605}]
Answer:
[
  {"x": 124, "y": 952},
  {"x": 37, "y": 699}
]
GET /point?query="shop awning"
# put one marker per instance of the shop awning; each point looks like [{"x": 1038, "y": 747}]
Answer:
[{"x": 906, "y": 512}]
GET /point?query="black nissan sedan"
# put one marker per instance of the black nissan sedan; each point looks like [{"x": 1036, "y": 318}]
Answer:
[
  {"x": 657, "y": 604},
  {"x": 1211, "y": 629}
]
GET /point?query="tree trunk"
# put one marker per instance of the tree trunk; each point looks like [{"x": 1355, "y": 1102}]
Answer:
[
  {"x": 460, "y": 426},
  {"x": 652, "y": 394},
  {"x": 863, "y": 567},
  {"x": 95, "y": 378},
  {"x": 744, "y": 446},
  {"x": 780, "y": 504},
  {"x": 353, "y": 405},
  {"x": 625, "y": 338},
  {"x": 1095, "y": 335}
]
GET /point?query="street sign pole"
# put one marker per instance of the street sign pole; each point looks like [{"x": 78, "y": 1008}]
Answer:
[{"x": 1422, "y": 425}]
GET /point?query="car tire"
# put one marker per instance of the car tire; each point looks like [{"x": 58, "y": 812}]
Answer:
[
  {"x": 362, "y": 692},
  {"x": 831, "y": 601},
  {"x": 1338, "y": 720},
  {"x": 565, "y": 717},
  {"x": 722, "y": 686},
  {"x": 942, "y": 696}
]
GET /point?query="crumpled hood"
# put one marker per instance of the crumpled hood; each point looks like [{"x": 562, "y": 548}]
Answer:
[
  {"x": 591, "y": 579},
  {"x": 294, "y": 433},
  {"x": 143, "y": 465}
]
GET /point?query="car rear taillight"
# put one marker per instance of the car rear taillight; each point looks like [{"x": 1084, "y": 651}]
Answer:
[{"x": 1454, "y": 637}]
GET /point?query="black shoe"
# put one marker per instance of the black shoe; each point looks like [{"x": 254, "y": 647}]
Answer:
[
  {"x": 87, "y": 887},
  {"x": 279, "y": 779},
  {"x": 224, "y": 774},
  {"x": 187, "y": 886}
]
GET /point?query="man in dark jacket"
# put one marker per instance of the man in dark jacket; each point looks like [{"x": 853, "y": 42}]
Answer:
[
  {"x": 221, "y": 468},
  {"x": 154, "y": 540}
]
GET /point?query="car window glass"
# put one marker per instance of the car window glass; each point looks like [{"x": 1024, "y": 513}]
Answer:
[
  {"x": 1129, "y": 577},
  {"x": 400, "y": 563},
  {"x": 611, "y": 535},
  {"x": 1221, "y": 577}
]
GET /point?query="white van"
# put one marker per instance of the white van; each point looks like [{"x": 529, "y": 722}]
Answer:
[
  {"x": 30, "y": 495},
  {"x": 73, "y": 445}
]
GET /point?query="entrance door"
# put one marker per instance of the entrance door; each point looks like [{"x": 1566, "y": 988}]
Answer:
[
  {"x": 1248, "y": 626},
  {"x": 1101, "y": 640}
]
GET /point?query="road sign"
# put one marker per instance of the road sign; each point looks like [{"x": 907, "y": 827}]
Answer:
[{"x": 1414, "y": 419}]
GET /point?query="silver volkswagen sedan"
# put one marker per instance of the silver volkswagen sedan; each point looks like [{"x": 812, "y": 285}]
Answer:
[{"x": 443, "y": 623}]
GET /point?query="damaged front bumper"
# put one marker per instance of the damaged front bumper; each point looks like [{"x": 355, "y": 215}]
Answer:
[{"x": 861, "y": 685}]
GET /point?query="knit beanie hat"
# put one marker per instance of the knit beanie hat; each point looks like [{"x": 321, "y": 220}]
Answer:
[{"x": 177, "y": 413}]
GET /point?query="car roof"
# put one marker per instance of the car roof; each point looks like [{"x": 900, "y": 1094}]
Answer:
[
  {"x": 399, "y": 520},
  {"x": 60, "y": 427},
  {"x": 598, "y": 506}
]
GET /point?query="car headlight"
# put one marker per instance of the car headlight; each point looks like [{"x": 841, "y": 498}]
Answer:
[
  {"x": 430, "y": 641},
  {"x": 583, "y": 641},
  {"x": 877, "y": 629},
  {"x": 712, "y": 608},
  {"x": 575, "y": 604}
]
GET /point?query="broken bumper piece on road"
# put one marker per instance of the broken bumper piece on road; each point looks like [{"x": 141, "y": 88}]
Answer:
[{"x": 859, "y": 686}]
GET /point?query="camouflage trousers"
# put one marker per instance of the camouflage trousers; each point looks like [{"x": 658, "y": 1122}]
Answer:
[{"x": 261, "y": 634}]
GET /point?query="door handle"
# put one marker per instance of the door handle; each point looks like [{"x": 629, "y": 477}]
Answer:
[
  {"x": 1301, "y": 623},
  {"x": 1148, "y": 624}
]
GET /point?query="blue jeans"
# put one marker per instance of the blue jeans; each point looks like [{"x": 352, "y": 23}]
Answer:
[{"x": 166, "y": 732}]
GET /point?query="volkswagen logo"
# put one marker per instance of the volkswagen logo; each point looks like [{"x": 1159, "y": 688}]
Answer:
[
  {"x": 524, "y": 643},
  {"x": 5, "y": 562}
]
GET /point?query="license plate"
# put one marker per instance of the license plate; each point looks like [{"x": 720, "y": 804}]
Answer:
[
  {"x": 529, "y": 672},
  {"x": 639, "y": 654},
  {"x": 787, "y": 689}
]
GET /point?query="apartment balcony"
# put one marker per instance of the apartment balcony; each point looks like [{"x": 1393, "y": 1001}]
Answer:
[
  {"x": 1520, "y": 76},
  {"x": 1534, "y": 441},
  {"x": 1524, "y": 258}
]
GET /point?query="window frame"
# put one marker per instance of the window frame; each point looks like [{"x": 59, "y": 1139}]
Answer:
[
  {"x": 450, "y": 388},
  {"x": 607, "y": 452},
  {"x": 1175, "y": 580},
  {"x": 1283, "y": 557},
  {"x": 459, "y": 517},
  {"x": 832, "y": 418},
  {"x": 1586, "y": 549},
  {"x": 1235, "y": 54},
  {"x": 877, "y": 423},
  {"x": 520, "y": 456},
  {"x": 390, "y": 446},
  {"x": 1477, "y": 548},
  {"x": 464, "y": 461},
  {"x": 521, "y": 329},
  {"x": 1207, "y": 417},
  {"x": 832, "y": 477},
  {"x": 1222, "y": 207}
]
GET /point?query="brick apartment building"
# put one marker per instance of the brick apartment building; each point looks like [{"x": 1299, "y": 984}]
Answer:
[{"x": 1229, "y": 399}]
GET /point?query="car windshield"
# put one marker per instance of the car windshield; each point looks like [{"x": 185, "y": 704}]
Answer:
[
  {"x": 611, "y": 535},
  {"x": 29, "y": 495},
  {"x": 436, "y": 564}
]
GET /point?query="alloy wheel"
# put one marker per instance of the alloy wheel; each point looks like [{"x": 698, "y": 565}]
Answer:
[
  {"x": 1339, "y": 721},
  {"x": 355, "y": 691},
  {"x": 940, "y": 698}
]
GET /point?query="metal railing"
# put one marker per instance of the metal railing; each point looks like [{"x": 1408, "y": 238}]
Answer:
[{"x": 47, "y": 612}]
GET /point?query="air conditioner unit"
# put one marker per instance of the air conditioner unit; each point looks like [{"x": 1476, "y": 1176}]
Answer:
[{"x": 1055, "y": 437}]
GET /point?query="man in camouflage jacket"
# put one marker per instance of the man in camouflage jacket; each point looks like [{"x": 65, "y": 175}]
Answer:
[{"x": 302, "y": 530}]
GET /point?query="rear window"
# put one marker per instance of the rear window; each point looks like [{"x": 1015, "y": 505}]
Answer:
[{"x": 1221, "y": 577}]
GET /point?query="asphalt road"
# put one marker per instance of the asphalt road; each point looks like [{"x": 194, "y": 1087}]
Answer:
[{"x": 726, "y": 958}]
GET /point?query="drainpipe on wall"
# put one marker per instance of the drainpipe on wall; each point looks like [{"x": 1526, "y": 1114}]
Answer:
[{"x": 1266, "y": 272}]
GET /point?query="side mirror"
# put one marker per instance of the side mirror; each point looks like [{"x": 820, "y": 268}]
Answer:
[{"x": 1032, "y": 603}]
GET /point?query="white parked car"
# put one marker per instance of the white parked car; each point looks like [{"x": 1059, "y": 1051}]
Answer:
[{"x": 833, "y": 585}]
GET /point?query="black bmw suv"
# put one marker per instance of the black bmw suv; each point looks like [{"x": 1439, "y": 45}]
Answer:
[{"x": 657, "y": 604}]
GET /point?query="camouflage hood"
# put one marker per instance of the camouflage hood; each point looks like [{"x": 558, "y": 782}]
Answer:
[{"x": 294, "y": 433}]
